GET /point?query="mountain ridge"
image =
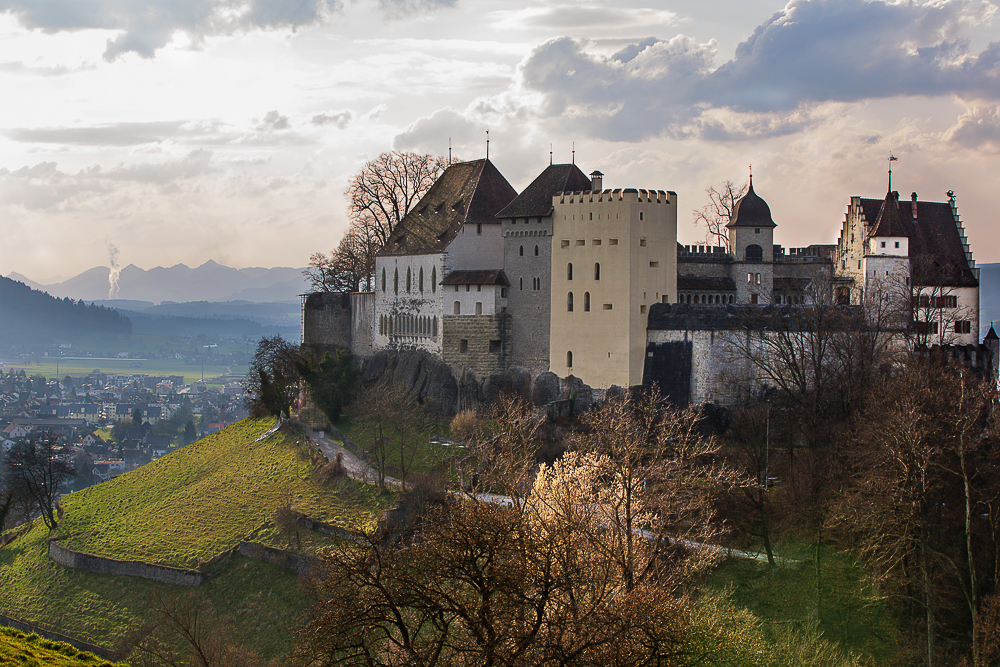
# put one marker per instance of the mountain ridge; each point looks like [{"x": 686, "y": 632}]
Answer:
[{"x": 209, "y": 281}]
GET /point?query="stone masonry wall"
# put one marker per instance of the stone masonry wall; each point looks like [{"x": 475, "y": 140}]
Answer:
[
  {"x": 486, "y": 348},
  {"x": 362, "y": 324},
  {"x": 326, "y": 320},
  {"x": 99, "y": 565}
]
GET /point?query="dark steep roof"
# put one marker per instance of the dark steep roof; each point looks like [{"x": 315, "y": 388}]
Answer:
[
  {"x": 477, "y": 277},
  {"x": 536, "y": 200},
  {"x": 751, "y": 211},
  {"x": 936, "y": 249},
  {"x": 888, "y": 222},
  {"x": 467, "y": 192}
]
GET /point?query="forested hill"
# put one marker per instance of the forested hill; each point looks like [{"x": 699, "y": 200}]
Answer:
[{"x": 29, "y": 317}]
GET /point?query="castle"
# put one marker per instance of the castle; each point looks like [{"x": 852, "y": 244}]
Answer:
[{"x": 564, "y": 277}]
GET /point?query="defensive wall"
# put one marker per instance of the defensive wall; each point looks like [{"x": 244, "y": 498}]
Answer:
[{"x": 130, "y": 568}]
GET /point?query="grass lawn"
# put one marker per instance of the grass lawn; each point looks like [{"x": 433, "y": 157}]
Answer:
[
  {"x": 30, "y": 650},
  {"x": 204, "y": 498},
  {"x": 262, "y": 601},
  {"x": 845, "y": 605}
]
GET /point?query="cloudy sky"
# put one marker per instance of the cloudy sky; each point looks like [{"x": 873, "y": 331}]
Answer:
[{"x": 179, "y": 131}]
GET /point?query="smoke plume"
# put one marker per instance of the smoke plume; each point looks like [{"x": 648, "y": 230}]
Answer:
[{"x": 114, "y": 272}]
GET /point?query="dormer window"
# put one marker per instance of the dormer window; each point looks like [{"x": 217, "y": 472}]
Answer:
[{"x": 437, "y": 209}]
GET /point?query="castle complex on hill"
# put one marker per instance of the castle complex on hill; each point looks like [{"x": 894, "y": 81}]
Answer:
[{"x": 564, "y": 276}]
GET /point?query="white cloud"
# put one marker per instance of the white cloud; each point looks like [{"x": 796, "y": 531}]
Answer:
[
  {"x": 339, "y": 119},
  {"x": 978, "y": 127}
]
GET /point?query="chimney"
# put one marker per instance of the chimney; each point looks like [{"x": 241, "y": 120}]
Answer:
[
  {"x": 913, "y": 204},
  {"x": 597, "y": 181}
]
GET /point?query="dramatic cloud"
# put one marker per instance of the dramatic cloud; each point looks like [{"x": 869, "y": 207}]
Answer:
[
  {"x": 148, "y": 25},
  {"x": 811, "y": 52}
]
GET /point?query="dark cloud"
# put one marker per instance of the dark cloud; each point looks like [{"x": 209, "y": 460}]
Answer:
[
  {"x": 147, "y": 25},
  {"x": 340, "y": 119},
  {"x": 811, "y": 52}
]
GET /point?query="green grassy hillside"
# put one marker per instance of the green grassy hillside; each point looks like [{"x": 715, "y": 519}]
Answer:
[
  {"x": 203, "y": 499},
  {"x": 29, "y": 650},
  {"x": 186, "y": 507}
]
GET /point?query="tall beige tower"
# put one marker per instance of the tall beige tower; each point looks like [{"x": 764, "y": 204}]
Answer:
[{"x": 614, "y": 253}]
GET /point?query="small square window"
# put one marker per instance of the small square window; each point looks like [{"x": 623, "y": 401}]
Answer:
[
  {"x": 756, "y": 230},
  {"x": 612, "y": 241},
  {"x": 580, "y": 242},
  {"x": 596, "y": 242},
  {"x": 642, "y": 242},
  {"x": 564, "y": 243},
  {"x": 494, "y": 347},
  {"x": 608, "y": 306},
  {"x": 653, "y": 265},
  {"x": 883, "y": 244},
  {"x": 897, "y": 244},
  {"x": 642, "y": 309},
  {"x": 641, "y": 215}
]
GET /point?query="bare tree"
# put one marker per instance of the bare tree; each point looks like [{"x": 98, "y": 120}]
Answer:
[
  {"x": 395, "y": 422},
  {"x": 37, "y": 470},
  {"x": 719, "y": 210},
  {"x": 379, "y": 196},
  {"x": 272, "y": 379}
]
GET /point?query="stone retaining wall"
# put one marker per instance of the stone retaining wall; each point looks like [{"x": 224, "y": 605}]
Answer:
[{"x": 129, "y": 568}]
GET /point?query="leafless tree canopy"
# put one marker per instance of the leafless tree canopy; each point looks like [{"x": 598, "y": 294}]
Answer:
[
  {"x": 379, "y": 196},
  {"x": 35, "y": 470},
  {"x": 578, "y": 564},
  {"x": 717, "y": 213}
]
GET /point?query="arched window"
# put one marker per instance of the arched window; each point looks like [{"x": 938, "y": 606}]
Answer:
[
  {"x": 569, "y": 271},
  {"x": 395, "y": 281},
  {"x": 407, "y": 279},
  {"x": 420, "y": 284},
  {"x": 434, "y": 279},
  {"x": 479, "y": 308},
  {"x": 586, "y": 302},
  {"x": 434, "y": 327},
  {"x": 597, "y": 270},
  {"x": 521, "y": 251},
  {"x": 569, "y": 359},
  {"x": 381, "y": 325},
  {"x": 383, "y": 279},
  {"x": 458, "y": 308},
  {"x": 755, "y": 253},
  {"x": 569, "y": 302},
  {"x": 536, "y": 251}
]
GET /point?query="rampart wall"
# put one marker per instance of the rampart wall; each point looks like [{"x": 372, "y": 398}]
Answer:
[{"x": 129, "y": 568}]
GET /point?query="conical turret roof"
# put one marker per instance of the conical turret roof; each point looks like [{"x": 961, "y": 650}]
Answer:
[
  {"x": 888, "y": 222},
  {"x": 751, "y": 211}
]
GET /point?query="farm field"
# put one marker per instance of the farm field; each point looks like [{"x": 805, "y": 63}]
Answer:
[
  {"x": 78, "y": 367},
  {"x": 204, "y": 498},
  {"x": 30, "y": 650}
]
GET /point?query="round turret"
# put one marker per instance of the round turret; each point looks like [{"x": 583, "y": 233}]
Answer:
[{"x": 751, "y": 211}]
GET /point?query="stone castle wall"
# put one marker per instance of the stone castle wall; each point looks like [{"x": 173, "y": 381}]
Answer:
[
  {"x": 476, "y": 343},
  {"x": 327, "y": 320}
]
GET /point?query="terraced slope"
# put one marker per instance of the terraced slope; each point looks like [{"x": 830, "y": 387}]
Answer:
[{"x": 30, "y": 650}]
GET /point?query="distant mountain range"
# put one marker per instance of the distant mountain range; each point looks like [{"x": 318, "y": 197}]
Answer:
[{"x": 209, "y": 282}]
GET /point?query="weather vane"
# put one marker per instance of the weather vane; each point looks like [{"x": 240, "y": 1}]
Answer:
[{"x": 892, "y": 158}]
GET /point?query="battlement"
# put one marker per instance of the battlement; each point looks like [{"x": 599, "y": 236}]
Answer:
[{"x": 630, "y": 195}]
